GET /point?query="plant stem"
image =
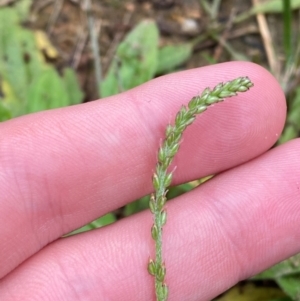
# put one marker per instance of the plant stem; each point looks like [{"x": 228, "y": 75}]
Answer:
[
  {"x": 94, "y": 42},
  {"x": 287, "y": 30},
  {"x": 162, "y": 178}
]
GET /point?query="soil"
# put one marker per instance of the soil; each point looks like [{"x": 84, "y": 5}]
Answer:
[{"x": 178, "y": 21}]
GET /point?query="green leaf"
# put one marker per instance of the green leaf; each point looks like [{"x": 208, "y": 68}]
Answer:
[
  {"x": 12, "y": 67},
  {"x": 20, "y": 60},
  {"x": 135, "y": 61},
  {"x": 293, "y": 116},
  {"x": 110, "y": 85},
  {"x": 287, "y": 267},
  {"x": 28, "y": 83},
  {"x": 178, "y": 190},
  {"x": 5, "y": 113},
  {"x": 98, "y": 223},
  {"x": 72, "y": 86},
  {"x": 290, "y": 285},
  {"x": 23, "y": 8},
  {"x": 273, "y": 6},
  {"x": 32, "y": 58},
  {"x": 172, "y": 56},
  {"x": 292, "y": 127},
  {"x": 251, "y": 292},
  {"x": 9, "y": 99},
  {"x": 103, "y": 221},
  {"x": 267, "y": 7},
  {"x": 136, "y": 206},
  {"x": 286, "y": 274},
  {"x": 47, "y": 92},
  {"x": 8, "y": 17}
]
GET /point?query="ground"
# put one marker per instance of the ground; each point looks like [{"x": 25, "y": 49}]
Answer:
[{"x": 178, "y": 21}]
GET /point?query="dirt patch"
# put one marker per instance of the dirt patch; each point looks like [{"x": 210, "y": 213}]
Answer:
[{"x": 178, "y": 21}]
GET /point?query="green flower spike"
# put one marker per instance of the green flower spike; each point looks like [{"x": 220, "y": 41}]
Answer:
[{"x": 162, "y": 178}]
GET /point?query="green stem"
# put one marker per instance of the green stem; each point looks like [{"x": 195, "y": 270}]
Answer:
[
  {"x": 162, "y": 178},
  {"x": 94, "y": 43},
  {"x": 287, "y": 29}
]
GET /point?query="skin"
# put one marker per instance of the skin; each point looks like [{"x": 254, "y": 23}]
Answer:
[{"x": 63, "y": 168}]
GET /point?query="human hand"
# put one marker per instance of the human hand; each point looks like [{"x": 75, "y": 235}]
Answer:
[{"x": 63, "y": 168}]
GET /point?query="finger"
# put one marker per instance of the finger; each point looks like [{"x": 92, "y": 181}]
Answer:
[
  {"x": 61, "y": 169},
  {"x": 228, "y": 229}
]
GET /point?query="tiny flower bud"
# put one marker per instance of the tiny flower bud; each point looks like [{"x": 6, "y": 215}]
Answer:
[
  {"x": 242, "y": 89},
  {"x": 224, "y": 94},
  {"x": 218, "y": 87},
  {"x": 161, "y": 201},
  {"x": 194, "y": 102},
  {"x": 165, "y": 291},
  {"x": 181, "y": 127},
  {"x": 154, "y": 232},
  {"x": 205, "y": 92},
  {"x": 152, "y": 203},
  {"x": 169, "y": 130},
  {"x": 182, "y": 113},
  {"x": 168, "y": 179},
  {"x": 166, "y": 163},
  {"x": 201, "y": 109},
  {"x": 162, "y": 155},
  {"x": 190, "y": 120},
  {"x": 213, "y": 99},
  {"x": 173, "y": 150},
  {"x": 160, "y": 273},
  {"x": 163, "y": 217},
  {"x": 155, "y": 182},
  {"x": 151, "y": 267}
]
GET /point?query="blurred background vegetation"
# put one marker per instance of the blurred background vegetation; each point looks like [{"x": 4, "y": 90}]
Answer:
[{"x": 56, "y": 53}]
